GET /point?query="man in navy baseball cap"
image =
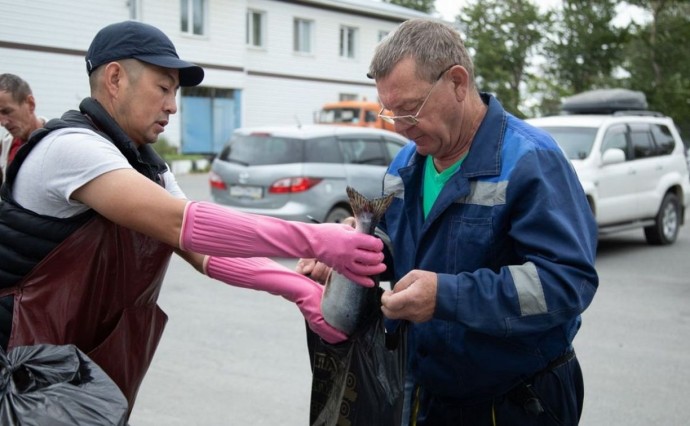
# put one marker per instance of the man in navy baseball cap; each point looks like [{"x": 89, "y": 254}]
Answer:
[{"x": 144, "y": 42}]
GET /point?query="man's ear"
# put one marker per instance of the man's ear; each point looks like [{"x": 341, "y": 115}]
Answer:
[
  {"x": 113, "y": 76},
  {"x": 460, "y": 78},
  {"x": 31, "y": 101}
]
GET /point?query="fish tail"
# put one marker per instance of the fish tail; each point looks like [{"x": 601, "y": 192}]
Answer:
[{"x": 360, "y": 204}]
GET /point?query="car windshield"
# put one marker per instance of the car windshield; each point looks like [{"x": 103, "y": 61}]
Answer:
[
  {"x": 261, "y": 149},
  {"x": 339, "y": 115},
  {"x": 575, "y": 141}
]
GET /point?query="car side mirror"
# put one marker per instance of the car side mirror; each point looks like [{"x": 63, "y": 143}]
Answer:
[{"x": 613, "y": 156}]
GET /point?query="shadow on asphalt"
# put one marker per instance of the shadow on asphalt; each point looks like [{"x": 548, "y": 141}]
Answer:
[{"x": 621, "y": 244}]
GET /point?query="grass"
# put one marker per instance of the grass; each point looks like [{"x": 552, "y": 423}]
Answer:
[{"x": 170, "y": 153}]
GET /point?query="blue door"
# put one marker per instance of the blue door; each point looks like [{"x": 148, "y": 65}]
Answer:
[
  {"x": 209, "y": 116},
  {"x": 224, "y": 122},
  {"x": 197, "y": 122}
]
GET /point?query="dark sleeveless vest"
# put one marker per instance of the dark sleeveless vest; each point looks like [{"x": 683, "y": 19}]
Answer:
[
  {"x": 27, "y": 237},
  {"x": 83, "y": 280}
]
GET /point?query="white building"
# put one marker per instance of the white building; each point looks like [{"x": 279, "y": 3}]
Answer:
[{"x": 266, "y": 61}]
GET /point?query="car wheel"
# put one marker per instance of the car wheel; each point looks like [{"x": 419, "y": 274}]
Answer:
[
  {"x": 338, "y": 214},
  {"x": 666, "y": 224}
]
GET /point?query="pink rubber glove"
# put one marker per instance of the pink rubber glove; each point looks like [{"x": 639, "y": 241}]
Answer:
[
  {"x": 267, "y": 275},
  {"x": 217, "y": 231}
]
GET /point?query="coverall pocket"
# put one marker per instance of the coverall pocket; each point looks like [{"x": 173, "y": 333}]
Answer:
[{"x": 470, "y": 242}]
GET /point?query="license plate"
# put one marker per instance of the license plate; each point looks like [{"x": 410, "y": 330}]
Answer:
[{"x": 253, "y": 192}]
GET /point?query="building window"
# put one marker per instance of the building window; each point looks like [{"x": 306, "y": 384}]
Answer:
[
  {"x": 348, "y": 42},
  {"x": 192, "y": 16},
  {"x": 382, "y": 34},
  {"x": 347, "y": 97},
  {"x": 255, "y": 28},
  {"x": 302, "y": 35}
]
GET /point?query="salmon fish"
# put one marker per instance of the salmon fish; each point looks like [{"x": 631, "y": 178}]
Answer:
[{"x": 346, "y": 305}]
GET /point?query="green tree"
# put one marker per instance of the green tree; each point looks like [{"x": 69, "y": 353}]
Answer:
[
  {"x": 658, "y": 59},
  {"x": 503, "y": 35},
  {"x": 426, "y": 6},
  {"x": 585, "y": 47}
]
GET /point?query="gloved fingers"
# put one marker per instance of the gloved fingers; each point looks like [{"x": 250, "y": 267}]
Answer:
[
  {"x": 355, "y": 240},
  {"x": 309, "y": 304},
  {"x": 354, "y": 255},
  {"x": 355, "y": 270},
  {"x": 326, "y": 332},
  {"x": 364, "y": 258},
  {"x": 357, "y": 263},
  {"x": 365, "y": 242},
  {"x": 363, "y": 280}
]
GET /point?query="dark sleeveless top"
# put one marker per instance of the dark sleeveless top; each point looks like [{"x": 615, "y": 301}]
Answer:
[{"x": 83, "y": 280}]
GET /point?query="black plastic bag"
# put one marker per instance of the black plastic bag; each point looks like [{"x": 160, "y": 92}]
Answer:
[
  {"x": 359, "y": 381},
  {"x": 57, "y": 385}
]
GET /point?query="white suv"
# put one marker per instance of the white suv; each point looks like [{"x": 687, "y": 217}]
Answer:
[{"x": 632, "y": 166}]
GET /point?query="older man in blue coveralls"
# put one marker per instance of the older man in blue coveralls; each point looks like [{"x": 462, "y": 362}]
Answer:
[
  {"x": 490, "y": 243},
  {"x": 493, "y": 244}
]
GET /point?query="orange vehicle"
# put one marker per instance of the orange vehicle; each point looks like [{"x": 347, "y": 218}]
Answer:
[{"x": 353, "y": 113}]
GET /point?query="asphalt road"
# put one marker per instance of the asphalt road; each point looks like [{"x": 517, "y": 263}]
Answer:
[{"x": 232, "y": 356}]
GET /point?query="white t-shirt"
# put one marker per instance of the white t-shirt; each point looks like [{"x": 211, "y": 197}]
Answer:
[
  {"x": 63, "y": 162},
  {"x": 6, "y": 139}
]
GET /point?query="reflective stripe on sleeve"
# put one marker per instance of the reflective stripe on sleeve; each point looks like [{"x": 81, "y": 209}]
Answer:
[{"x": 529, "y": 289}]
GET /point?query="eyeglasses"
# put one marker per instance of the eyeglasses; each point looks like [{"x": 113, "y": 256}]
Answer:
[{"x": 412, "y": 120}]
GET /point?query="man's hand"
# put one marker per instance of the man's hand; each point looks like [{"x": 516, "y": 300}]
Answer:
[
  {"x": 413, "y": 298},
  {"x": 314, "y": 269}
]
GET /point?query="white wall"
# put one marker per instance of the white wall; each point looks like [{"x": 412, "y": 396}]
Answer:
[
  {"x": 59, "y": 81},
  {"x": 297, "y": 84},
  {"x": 276, "y": 100}
]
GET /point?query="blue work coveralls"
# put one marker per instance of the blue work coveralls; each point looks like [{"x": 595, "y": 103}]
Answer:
[{"x": 513, "y": 241}]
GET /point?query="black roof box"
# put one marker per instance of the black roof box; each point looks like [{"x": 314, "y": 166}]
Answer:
[{"x": 604, "y": 101}]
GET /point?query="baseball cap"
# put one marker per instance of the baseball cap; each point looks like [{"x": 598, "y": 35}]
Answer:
[{"x": 132, "y": 39}]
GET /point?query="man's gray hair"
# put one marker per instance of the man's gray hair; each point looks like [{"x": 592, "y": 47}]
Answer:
[
  {"x": 434, "y": 46},
  {"x": 15, "y": 86}
]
